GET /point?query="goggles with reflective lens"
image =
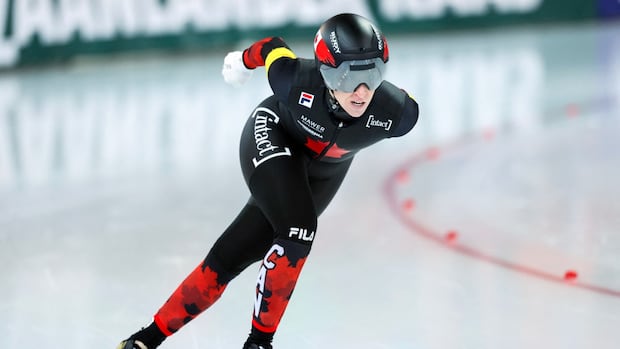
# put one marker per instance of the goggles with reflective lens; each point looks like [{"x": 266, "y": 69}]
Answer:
[{"x": 350, "y": 74}]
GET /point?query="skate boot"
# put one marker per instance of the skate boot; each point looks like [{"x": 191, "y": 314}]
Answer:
[
  {"x": 147, "y": 338},
  {"x": 131, "y": 344},
  {"x": 256, "y": 346}
]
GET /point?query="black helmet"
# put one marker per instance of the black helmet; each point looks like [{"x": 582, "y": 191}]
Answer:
[{"x": 350, "y": 51}]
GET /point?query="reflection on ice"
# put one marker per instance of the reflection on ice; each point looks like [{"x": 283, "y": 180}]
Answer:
[{"x": 161, "y": 116}]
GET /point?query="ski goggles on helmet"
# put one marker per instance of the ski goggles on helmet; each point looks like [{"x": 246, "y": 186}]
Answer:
[{"x": 350, "y": 74}]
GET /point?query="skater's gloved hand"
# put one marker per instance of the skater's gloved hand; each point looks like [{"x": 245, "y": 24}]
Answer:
[{"x": 234, "y": 71}]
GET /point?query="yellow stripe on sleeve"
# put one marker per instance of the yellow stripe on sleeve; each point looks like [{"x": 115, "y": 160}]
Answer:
[{"x": 278, "y": 53}]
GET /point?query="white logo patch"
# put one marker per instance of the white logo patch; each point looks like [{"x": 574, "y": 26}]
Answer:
[
  {"x": 378, "y": 123},
  {"x": 306, "y": 99}
]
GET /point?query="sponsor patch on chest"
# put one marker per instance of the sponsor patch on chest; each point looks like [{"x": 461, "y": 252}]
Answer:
[
  {"x": 311, "y": 126},
  {"x": 385, "y": 124},
  {"x": 306, "y": 99}
]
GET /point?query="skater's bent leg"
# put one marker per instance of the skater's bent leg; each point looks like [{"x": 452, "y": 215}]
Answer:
[
  {"x": 200, "y": 289},
  {"x": 277, "y": 278},
  {"x": 287, "y": 202},
  {"x": 243, "y": 243},
  {"x": 276, "y": 172},
  {"x": 283, "y": 262}
]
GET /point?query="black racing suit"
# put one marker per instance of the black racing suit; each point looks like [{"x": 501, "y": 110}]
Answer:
[{"x": 295, "y": 150}]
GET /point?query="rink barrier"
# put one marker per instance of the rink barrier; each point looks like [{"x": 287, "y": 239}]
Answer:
[{"x": 49, "y": 31}]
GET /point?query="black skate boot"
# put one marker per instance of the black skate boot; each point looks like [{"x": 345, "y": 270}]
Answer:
[
  {"x": 256, "y": 346},
  {"x": 147, "y": 338},
  {"x": 258, "y": 339},
  {"x": 131, "y": 344}
]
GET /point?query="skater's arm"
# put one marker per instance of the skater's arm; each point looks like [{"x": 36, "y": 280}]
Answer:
[
  {"x": 266, "y": 51},
  {"x": 271, "y": 53},
  {"x": 279, "y": 60},
  {"x": 409, "y": 117}
]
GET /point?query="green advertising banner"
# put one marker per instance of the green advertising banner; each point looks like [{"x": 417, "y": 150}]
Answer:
[{"x": 47, "y": 31}]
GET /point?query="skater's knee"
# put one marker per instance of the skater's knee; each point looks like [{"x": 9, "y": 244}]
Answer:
[{"x": 225, "y": 269}]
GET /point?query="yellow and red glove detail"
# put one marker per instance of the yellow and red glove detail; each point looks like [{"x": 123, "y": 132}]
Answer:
[{"x": 258, "y": 54}]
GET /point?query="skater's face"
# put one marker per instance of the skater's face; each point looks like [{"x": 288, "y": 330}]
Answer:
[{"x": 355, "y": 103}]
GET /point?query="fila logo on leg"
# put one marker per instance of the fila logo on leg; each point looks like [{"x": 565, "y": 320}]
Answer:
[{"x": 301, "y": 234}]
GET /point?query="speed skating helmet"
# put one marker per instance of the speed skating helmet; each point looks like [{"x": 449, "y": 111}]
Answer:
[{"x": 351, "y": 51}]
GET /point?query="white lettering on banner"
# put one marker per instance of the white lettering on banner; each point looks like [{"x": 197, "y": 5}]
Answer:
[
  {"x": 433, "y": 9},
  {"x": 31, "y": 17},
  {"x": 398, "y": 9},
  {"x": 267, "y": 265},
  {"x": 76, "y": 16},
  {"x": 519, "y": 6},
  {"x": 8, "y": 48},
  {"x": 270, "y": 13},
  {"x": 463, "y": 8},
  {"x": 57, "y": 22}
]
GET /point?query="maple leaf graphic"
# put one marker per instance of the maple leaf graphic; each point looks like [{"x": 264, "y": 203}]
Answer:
[{"x": 317, "y": 146}]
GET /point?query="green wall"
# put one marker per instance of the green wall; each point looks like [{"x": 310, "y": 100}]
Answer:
[{"x": 49, "y": 31}]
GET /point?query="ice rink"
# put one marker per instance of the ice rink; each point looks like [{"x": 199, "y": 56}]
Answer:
[{"x": 494, "y": 224}]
